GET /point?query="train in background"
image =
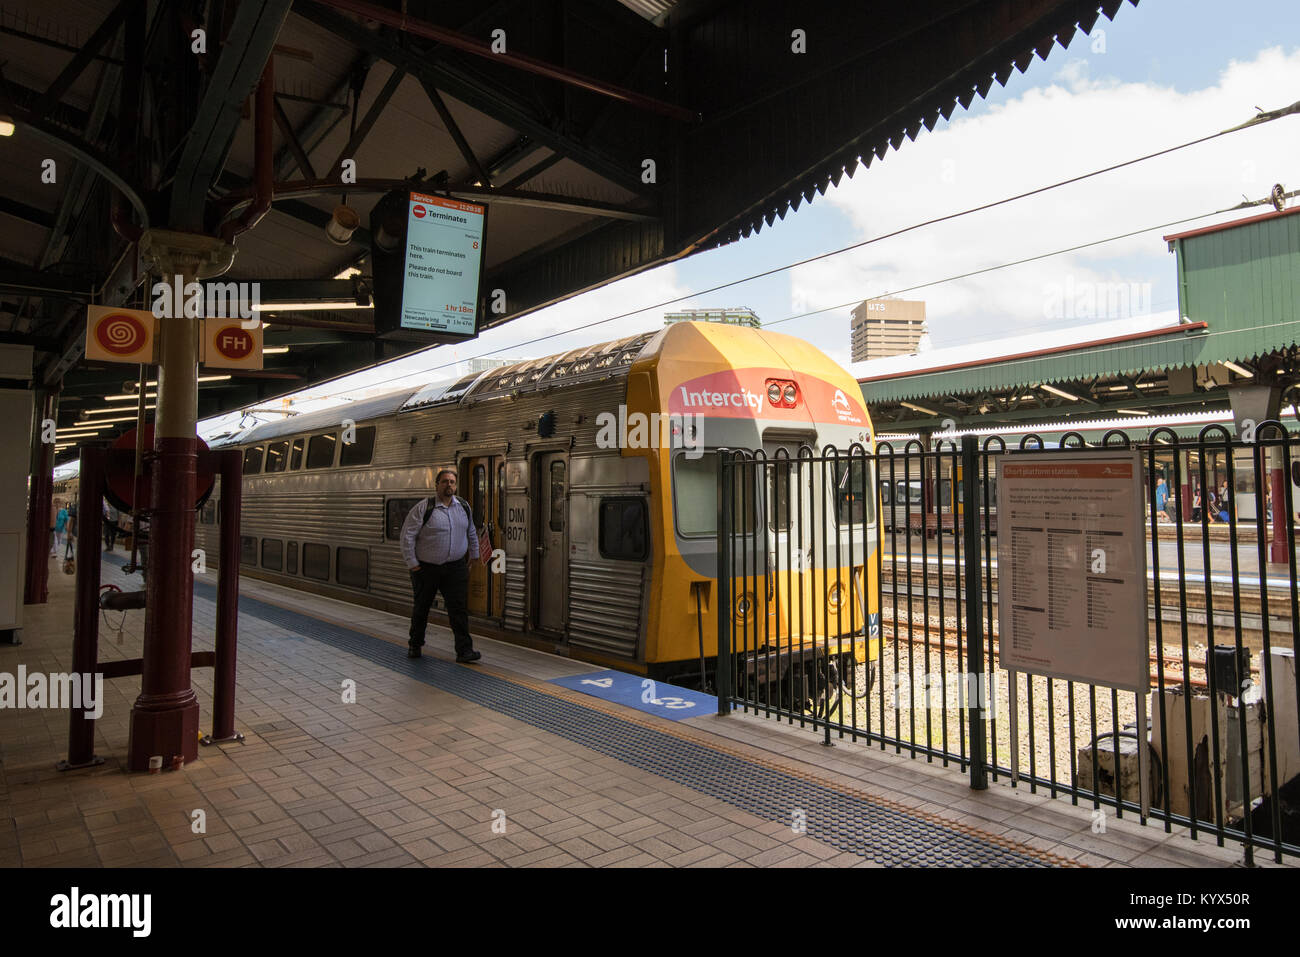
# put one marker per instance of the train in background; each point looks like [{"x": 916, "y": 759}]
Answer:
[
  {"x": 609, "y": 548},
  {"x": 921, "y": 494}
]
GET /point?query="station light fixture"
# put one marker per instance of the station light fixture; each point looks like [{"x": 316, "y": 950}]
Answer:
[
  {"x": 6, "y": 125},
  {"x": 1131, "y": 412},
  {"x": 918, "y": 408},
  {"x": 1240, "y": 370},
  {"x": 1061, "y": 392},
  {"x": 115, "y": 418},
  {"x": 275, "y": 350},
  {"x": 109, "y": 409},
  {"x": 129, "y": 398}
]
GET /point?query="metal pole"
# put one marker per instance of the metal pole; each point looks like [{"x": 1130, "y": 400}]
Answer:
[
  {"x": 974, "y": 614},
  {"x": 36, "y": 581},
  {"x": 223, "y": 692},
  {"x": 85, "y": 620},
  {"x": 722, "y": 677}
]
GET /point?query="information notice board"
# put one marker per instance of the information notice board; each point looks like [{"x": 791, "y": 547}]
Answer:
[
  {"x": 444, "y": 259},
  {"x": 1072, "y": 577}
]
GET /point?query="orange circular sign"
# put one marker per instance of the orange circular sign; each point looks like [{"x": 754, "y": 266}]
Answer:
[
  {"x": 233, "y": 342},
  {"x": 120, "y": 333}
]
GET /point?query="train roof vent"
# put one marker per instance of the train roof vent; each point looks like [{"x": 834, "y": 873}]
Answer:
[{"x": 438, "y": 393}]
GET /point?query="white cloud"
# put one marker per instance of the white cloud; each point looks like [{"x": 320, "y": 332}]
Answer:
[{"x": 1048, "y": 134}]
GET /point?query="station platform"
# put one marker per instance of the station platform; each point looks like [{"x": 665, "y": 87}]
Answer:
[{"x": 442, "y": 764}]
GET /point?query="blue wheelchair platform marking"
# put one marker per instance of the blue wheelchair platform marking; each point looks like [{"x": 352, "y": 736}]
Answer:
[{"x": 643, "y": 694}]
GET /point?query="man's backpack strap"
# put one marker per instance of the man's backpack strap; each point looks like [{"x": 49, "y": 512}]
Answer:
[{"x": 428, "y": 510}]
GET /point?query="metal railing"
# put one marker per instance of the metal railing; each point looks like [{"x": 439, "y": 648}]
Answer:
[{"x": 858, "y": 597}]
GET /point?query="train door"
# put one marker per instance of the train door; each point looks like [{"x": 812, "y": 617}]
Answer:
[
  {"x": 480, "y": 487},
  {"x": 550, "y": 540},
  {"x": 787, "y": 520}
]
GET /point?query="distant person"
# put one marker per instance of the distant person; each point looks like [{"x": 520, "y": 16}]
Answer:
[
  {"x": 1162, "y": 496},
  {"x": 110, "y": 526},
  {"x": 438, "y": 542},
  {"x": 60, "y": 526},
  {"x": 1196, "y": 505},
  {"x": 1225, "y": 502}
]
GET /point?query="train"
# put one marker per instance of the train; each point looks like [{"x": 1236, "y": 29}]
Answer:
[{"x": 594, "y": 475}]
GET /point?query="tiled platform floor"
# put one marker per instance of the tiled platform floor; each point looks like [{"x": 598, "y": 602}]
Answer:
[{"x": 411, "y": 775}]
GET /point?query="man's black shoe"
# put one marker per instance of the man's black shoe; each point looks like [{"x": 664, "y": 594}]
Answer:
[
  {"x": 412, "y": 651},
  {"x": 469, "y": 657}
]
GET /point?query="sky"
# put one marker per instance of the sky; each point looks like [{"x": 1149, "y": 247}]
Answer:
[{"x": 1159, "y": 75}]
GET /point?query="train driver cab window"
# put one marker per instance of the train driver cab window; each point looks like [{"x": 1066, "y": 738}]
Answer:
[
  {"x": 623, "y": 529},
  {"x": 854, "y": 498},
  {"x": 320, "y": 450},
  {"x": 695, "y": 496},
  {"x": 253, "y": 460},
  {"x": 295, "y": 455},
  {"x": 362, "y": 450},
  {"x": 277, "y": 456}
]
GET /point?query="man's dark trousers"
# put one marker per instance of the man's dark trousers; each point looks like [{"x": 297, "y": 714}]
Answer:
[{"x": 452, "y": 579}]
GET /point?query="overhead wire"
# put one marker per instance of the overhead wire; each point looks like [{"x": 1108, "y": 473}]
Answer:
[{"x": 1263, "y": 117}]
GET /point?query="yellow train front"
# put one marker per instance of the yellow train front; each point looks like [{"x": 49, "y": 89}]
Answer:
[{"x": 595, "y": 475}]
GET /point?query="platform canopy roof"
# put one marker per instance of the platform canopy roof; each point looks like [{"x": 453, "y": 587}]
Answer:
[
  {"x": 1238, "y": 323},
  {"x": 148, "y": 128}
]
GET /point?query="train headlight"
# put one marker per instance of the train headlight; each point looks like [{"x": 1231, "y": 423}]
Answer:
[
  {"x": 743, "y": 605},
  {"x": 790, "y": 394},
  {"x": 774, "y": 393},
  {"x": 834, "y": 596}
]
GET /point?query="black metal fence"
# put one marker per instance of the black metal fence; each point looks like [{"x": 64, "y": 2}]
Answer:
[{"x": 858, "y": 596}]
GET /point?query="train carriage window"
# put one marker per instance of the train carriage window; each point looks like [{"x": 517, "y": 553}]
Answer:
[
  {"x": 209, "y": 514},
  {"x": 395, "y": 512},
  {"x": 291, "y": 559},
  {"x": 277, "y": 456},
  {"x": 501, "y": 496},
  {"x": 320, "y": 450},
  {"x": 247, "y": 550},
  {"x": 272, "y": 554},
  {"x": 886, "y": 494},
  {"x": 253, "y": 460},
  {"x": 623, "y": 529},
  {"x": 316, "y": 561},
  {"x": 853, "y": 499},
  {"x": 778, "y": 495},
  {"x": 695, "y": 495},
  {"x": 295, "y": 455},
  {"x": 557, "y": 496},
  {"x": 352, "y": 567},
  {"x": 362, "y": 450}
]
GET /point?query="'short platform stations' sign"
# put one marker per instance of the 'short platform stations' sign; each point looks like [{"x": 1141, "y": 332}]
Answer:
[
  {"x": 444, "y": 259},
  {"x": 1072, "y": 575}
]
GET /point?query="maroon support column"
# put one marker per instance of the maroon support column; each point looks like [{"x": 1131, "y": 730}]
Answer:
[
  {"x": 1279, "y": 549},
  {"x": 165, "y": 718},
  {"x": 37, "y": 576}
]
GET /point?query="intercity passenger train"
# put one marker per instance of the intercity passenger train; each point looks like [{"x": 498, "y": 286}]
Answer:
[{"x": 595, "y": 472}]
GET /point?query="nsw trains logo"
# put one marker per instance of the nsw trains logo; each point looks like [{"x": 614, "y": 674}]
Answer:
[{"x": 121, "y": 334}]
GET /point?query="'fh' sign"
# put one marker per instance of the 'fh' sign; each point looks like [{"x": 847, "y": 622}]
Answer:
[{"x": 228, "y": 345}]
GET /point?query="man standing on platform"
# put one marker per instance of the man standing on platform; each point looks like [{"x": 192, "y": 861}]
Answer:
[{"x": 438, "y": 542}]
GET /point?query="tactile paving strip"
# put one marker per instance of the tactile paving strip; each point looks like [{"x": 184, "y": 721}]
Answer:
[{"x": 855, "y": 823}]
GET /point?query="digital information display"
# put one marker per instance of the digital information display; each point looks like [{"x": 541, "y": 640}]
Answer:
[{"x": 444, "y": 260}]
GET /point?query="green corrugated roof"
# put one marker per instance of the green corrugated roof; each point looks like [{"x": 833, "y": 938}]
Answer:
[{"x": 1241, "y": 279}]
